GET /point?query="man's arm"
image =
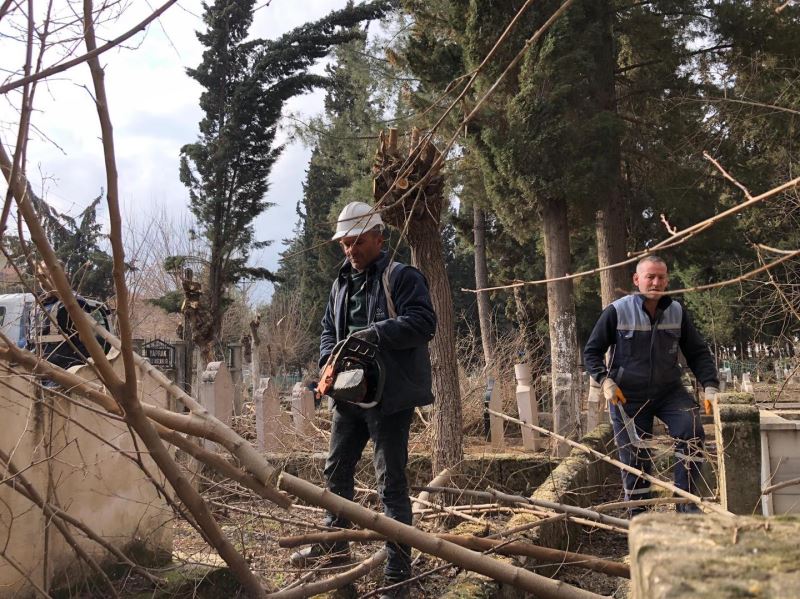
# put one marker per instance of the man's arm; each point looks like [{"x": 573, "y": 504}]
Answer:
[
  {"x": 416, "y": 321},
  {"x": 327, "y": 340},
  {"x": 695, "y": 350},
  {"x": 603, "y": 336}
]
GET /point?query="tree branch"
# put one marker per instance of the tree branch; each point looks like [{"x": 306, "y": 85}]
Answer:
[{"x": 54, "y": 70}]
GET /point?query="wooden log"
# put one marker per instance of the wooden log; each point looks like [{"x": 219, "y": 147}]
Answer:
[
  {"x": 547, "y": 554},
  {"x": 520, "y": 578}
]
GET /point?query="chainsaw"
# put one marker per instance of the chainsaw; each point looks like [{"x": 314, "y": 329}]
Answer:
[
  {"x": 353, "y": 373},
  {"x": 636, "y": 440}
]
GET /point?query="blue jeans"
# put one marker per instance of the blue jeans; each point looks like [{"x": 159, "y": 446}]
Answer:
[
  {"x": 351, "y": 428},
  {"x": 678, "y": 410}
]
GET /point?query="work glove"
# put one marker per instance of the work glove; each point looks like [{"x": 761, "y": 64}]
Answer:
[
  {"x": 370, "y": 335},
  {"x": 611, "y": 392},
  {"x": 710, "y": 398}
]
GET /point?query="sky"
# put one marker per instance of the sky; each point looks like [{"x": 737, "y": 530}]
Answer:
[{"x": 155, "y": 111}]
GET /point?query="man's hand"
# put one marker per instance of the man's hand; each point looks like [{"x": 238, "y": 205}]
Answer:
[
  {"x": 611, "y": 392},
  {"x": 370, "y": 335},
  {"x": 710, "y": 398}
]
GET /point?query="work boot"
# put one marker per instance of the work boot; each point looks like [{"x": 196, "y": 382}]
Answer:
[
  {"x": 688, "y": 508},
  {"x": 311, "y": 555}
]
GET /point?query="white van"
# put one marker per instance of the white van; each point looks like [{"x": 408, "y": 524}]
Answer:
[
  {"x": 15, "y": 316},
  {"x": 27, "y": 325}
]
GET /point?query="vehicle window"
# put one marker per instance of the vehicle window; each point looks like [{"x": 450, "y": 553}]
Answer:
[{"x": 2, "y": 315}]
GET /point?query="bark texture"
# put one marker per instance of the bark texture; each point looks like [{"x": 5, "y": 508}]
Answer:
[
  {"x": 561, "y": 316},
  {"x": 610, "y": 230},
  {"x": 481, "y": 281},
  {"x": 409, "y": 194}
]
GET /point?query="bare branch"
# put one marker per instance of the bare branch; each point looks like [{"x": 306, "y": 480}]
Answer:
[
  {"x": 112, "y": 198},
  {"x": 675, "y": 239},
  {"x": 727, "y": 175},
  {"x": 713, "y": 507},
  {"x": 54, "y": 70}
]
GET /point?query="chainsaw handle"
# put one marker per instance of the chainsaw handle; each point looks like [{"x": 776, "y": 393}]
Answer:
[{"x": 619, "y": 397}]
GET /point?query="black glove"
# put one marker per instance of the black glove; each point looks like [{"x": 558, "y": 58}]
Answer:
[{"x": 370, "y": 335}]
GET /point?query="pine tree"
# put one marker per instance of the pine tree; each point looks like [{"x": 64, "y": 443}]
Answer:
[{"x": 77, "y": 243}]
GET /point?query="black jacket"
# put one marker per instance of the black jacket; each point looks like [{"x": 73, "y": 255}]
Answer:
[
  {"x": 644, "y": 360},
  {"x": 402, "y": 341}
]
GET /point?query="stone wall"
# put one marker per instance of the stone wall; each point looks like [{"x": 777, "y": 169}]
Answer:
[
  {"x": 577, "y": 480},
  {"x": 72, "y": 456},
  {"x": 678, "y": 556}
]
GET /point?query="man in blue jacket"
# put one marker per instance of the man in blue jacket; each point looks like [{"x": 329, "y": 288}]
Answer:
[
  {"x": 400, "y": 320},
  {"x": 645, "y": 332}
]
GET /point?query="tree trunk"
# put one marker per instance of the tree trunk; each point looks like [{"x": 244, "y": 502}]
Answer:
[
  {"x": 255, "y": 353},
  {"x": 611, "y": 235},
  {"x": 419, "y": 215},
  {"x": 427, "y": 254},
  {"x": 610, "y": 217},
  {"x": 561, "y": 315},
  {"x": 481, "y": 281}
]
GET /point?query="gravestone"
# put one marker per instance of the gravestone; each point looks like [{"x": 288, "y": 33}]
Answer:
[
  {"x": 527, "y": 407},
  {"x": 236, "y": 375},
  {"x": 747, "y": 386},
  {"x": 216, "y": 393},
  {"x": 269, "y": 428},
  {"x": 303, "y": 409},
  {"x": 595, "y": 405}
]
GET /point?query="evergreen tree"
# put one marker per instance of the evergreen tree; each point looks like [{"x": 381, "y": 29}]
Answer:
[
  {"x": 77, "y": 243},
  {"x": 246, "y": 84},
  {"x": 338, "y": 173}
]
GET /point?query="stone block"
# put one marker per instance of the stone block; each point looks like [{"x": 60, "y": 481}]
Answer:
[
  {"x": 527, "y": 408},
  {"x": 303, "y": 409},
  {"x": 738, "y": 437},
  {"x": 712, "y": 557},
  {"x": 780, "y": 460}
]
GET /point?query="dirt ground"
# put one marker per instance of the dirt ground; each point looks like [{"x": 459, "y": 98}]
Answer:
[
  {"x": 257, "y": 533},
  {"x": 255, "y": 525}
]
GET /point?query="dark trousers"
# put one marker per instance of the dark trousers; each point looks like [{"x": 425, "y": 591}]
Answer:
[
  {"x": 351, "y": 428},
  {"x": 678, "y": 410}
]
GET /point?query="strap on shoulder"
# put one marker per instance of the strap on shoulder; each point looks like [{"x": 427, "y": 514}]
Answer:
[{"x": 387, "y": 287}]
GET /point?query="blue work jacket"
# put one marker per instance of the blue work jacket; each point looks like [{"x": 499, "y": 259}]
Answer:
[
  {"x": 645, "y": 350},
  {"x": 402, "y": 341}
]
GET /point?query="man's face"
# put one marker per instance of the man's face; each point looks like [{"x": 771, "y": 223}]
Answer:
[
  {"x": 362, "y": 250},
  {"x": 651, "y": 277}
]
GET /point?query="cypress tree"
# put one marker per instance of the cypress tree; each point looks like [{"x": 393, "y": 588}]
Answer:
[{"x": 246, "y": 84}]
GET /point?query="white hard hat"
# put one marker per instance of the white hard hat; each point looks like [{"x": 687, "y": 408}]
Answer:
[{"x": 356, "y": 218}]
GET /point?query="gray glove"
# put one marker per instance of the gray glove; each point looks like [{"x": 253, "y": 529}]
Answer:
[
  {"x": 611, "y": 392},
  {"x": 710, "y": 399}
]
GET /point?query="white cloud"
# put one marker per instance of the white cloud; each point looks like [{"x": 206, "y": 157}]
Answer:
[{"x": 154, "y": 106}]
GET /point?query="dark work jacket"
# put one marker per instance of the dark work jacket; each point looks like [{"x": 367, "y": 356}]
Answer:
[
  {"x": 402, "y": 341},
  {"x": 644, "y": 360}
]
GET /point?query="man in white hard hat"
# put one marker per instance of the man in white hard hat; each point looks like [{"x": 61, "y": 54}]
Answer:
[{"x": 389, "y": 305}]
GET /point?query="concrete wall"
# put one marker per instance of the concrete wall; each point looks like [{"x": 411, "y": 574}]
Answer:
[
  {"x": 576, "y": 481},
  {"x": 73, "y": 465},
  {"x": 674, "y": 556}
]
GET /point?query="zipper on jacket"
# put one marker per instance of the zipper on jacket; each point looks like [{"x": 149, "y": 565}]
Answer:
[{"x": 659, "y": 314}]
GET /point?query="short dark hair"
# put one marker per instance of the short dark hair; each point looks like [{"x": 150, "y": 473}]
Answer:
[{"x": 651, "y": 258}]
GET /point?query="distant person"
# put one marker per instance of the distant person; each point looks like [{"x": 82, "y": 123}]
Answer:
[
  {"x": 387, "y": 304},
  {"x": 645, "y": 332}
]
